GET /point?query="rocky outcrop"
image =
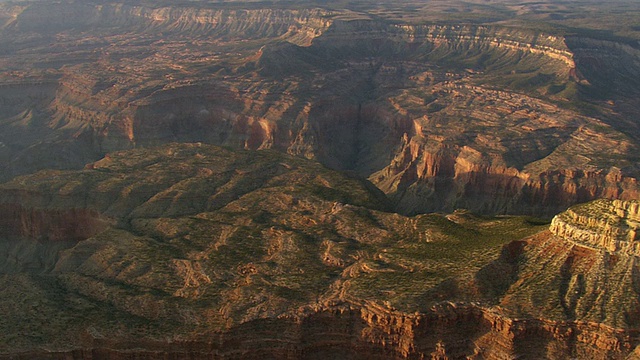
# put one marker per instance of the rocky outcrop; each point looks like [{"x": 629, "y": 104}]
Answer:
[
  {"x": 448, "y": 331},
  {"x": 612, "y": 226},
  {"x": 583, "y": 269},
  {"x": 437, "y": 116}
]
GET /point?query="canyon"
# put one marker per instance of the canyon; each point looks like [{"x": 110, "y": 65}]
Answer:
[
  {"x": 196, "y": 251},
  {"x": 492, "y": 118},
  {"x": 319, "y": 179}
]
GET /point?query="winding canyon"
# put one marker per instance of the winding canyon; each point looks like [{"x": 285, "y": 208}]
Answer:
[
  {"x": 251, "y": 180},
  {"x": 437, "y": 116}
]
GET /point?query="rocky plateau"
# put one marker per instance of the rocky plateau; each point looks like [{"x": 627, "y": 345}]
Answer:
[
  {"x": 494, "y": 118},
  {"x": 430, "y": 179}
]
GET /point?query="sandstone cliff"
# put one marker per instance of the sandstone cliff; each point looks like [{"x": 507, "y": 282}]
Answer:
[
  {"x": 497, "y": 119},
  {"x": 601, "y": 225},
  {"x": 301, "y": 26},
  {"x": 352, "y": 331},
  {"x": 583, "y": 269}
]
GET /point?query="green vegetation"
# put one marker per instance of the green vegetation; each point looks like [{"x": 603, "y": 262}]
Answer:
[
  {"x": 198, "y": 238},
  {"x": 419, "y": 271},
  {"x": 227, "y": 237}
]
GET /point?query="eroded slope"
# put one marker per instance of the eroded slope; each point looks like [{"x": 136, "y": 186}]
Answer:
[
  {"x": 207, "y": 239},
  {"x": 201, "y": 252},
  {"x": 497, "y": 119}
]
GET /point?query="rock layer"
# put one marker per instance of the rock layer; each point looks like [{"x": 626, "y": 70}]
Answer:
[
  {"x": 602, "y": 225},
  {"x": 370, "y": 332},
  {"x": 415, "y": 108},
  {"x": 583, "y": 269}
]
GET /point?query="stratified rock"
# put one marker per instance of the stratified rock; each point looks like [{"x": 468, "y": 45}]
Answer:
[
  {"x": 496, "y": 119},
  {"x": 612, "y": 226},
  {"x": 584, "y": 269}
]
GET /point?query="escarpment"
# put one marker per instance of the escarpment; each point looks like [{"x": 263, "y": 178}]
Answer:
[
  {"x": 439, "y": 117},
  {"x": 373, "y": 332},
  {"x": 31, "y": 238},
  {"x": 300, "y": 25},
  {"x": 619, "y": 87},
  {"x": 590, "y": 54},
  {"x": 602, "y": 224},
  {"x": 452, "y": 42},
  {"x": 583, "y": 269}
]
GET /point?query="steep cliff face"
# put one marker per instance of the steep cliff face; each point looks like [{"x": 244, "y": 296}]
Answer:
[
  {"x": 351, "y": 331},
  {"x": 584, "y": 269},
  {"x": 300, "y": 25},
  {"x": 452, "y": 43},
  {"x": 438, "y": 116},
  {"x": 602, "y": 225},
  {"x": 454, "y": 178}
]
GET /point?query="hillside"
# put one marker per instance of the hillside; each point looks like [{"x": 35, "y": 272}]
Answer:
[
  {"x": 344, "y": 179},
  {"x": 195, "y": 249}
]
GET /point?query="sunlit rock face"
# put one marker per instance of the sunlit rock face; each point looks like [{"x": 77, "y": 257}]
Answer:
[
  {"x": 491, "y": 118},
  {"x": 581, "y": 271},
  {"x": 607, "y": 225}
]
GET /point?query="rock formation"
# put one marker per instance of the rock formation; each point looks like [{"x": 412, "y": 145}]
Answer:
[
  {"x": 201, "y": 252},
  {"x": 496, "y": 119},
  {"x": 583, "y": 270},
  {"x": 251, "y": 180}
]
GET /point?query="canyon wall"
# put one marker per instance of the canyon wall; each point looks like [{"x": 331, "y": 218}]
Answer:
[
  {"x": 583, "y": 269},
  {"x": 437, "y": 116},
  {"x": 196, "y": 251},
  {"x": 452, "y": 177},
  {"x": 609, "y": 225},
  {"x": 448, "y": 331},
  {"x": 300, "y": 25}
]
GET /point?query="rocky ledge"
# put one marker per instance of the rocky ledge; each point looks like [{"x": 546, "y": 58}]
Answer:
[
  {"x": 602, "y": 224},
  {"x": 370, "y": 331}
]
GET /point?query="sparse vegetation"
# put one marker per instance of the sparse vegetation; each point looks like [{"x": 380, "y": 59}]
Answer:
[
  {"x": 301, "y": 235},
  {"x": 500, "y": 107}
]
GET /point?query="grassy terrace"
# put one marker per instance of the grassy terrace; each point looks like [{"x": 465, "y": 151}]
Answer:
[{"x": 418, "y": 271}]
